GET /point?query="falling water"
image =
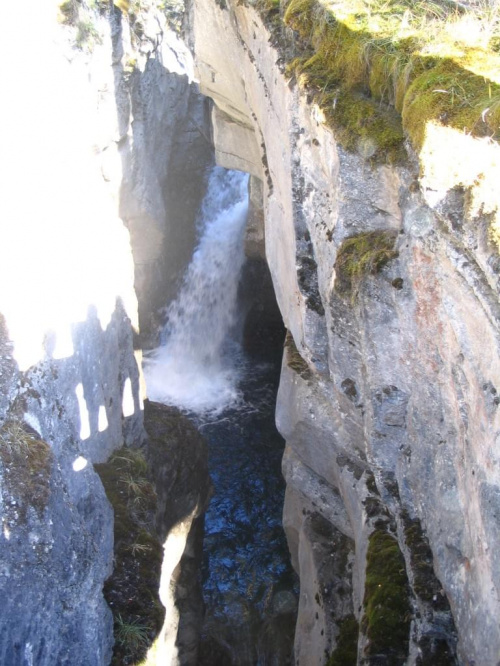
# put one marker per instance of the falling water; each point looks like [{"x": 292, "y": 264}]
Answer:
[
  {"x": 249, "y": 588},
  {"x": 195, "y": 368}
]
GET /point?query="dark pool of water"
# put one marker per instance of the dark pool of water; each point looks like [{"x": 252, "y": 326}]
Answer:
[{"x": 250, "y": 589}]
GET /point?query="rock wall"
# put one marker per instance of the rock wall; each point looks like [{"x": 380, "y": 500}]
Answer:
[
  {"x": 97, "y": 142},
  {"x": 69, "y": 381},
  {"x": 388, "y": 396},
  {"x": 178, "y": 455},
  {"x": 163, "y": 151}
]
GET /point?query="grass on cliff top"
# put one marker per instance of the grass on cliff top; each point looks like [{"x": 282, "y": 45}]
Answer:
[
  {"x": 422, "y": 59},
  {"x": 382, "y": 71}
]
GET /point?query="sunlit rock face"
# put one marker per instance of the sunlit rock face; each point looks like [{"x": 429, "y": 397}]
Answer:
[
  {"x": 105, "y": 130},
  {"x": 388, "y": 397},
  {"x": 69, "y": 381}
]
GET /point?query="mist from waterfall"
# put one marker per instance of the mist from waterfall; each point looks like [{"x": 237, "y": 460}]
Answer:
[{"x": 196, "y": 365}]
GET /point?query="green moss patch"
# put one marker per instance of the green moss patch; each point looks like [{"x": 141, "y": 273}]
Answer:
[
  {"x": 362, "y": 255},
  {"x": 387, "y": 610},
  {"x": 387, "y": 71},
  {"x": 364, "y": 125},
  {"x": 346, "y": 652},
  {"x": 336, "y": 68},
  {"x": 383, "y": 71},
  {"x": 27, "y": 462},
  {"x": 132, "y": 591},
  {"x": 453, "y": 96},
  {"x": 425, "y": 583},
  {"x": 406, "y": 56}
]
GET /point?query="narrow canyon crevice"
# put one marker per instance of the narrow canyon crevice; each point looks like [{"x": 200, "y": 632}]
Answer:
[{"x": 363, "y": 326}]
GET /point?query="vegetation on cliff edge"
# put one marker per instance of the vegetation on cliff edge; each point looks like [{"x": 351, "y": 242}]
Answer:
[
  {"x": 27, "y": 462},
  {"x": 426, "y": 61},
  {"x": 382, "y": 71}
]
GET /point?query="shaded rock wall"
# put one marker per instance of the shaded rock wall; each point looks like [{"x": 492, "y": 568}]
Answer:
[
  {"x": 178, "y": 457},
  {"x": 388, "y": 391},
  {"x": 57, "y": 526},
  {"x": 164, "y": 148}
]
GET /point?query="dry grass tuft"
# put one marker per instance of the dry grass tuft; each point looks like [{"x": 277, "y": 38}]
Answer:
[{"x": 27, "y": 462}]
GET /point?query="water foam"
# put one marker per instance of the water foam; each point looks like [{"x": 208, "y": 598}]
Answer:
[{"x": 197, "y": 365}]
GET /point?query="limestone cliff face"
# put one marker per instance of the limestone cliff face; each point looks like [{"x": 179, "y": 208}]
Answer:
[
  {"x": 162, "y": 153},
  {"x": 388, "y": 396},
  {"x": 108, "y": 142},
  {"x": 69, "y": 380}
]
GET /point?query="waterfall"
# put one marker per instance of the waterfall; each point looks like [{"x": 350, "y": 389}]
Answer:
[{"x": 196, "y": 366}]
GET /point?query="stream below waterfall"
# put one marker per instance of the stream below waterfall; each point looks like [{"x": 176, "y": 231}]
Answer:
[
  {"x": 250, "y": 590},
  {"x": 249, "y": 586}
]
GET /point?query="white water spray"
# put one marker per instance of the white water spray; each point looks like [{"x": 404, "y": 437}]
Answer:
[{"x": 193, "y": 368}]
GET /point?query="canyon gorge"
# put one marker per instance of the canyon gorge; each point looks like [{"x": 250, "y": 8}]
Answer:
[{"x": 368, "y": 271}]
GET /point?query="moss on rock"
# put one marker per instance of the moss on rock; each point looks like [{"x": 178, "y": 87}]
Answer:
[
  {"x": 346, "y": 651},
  {"x": 364, "y": 254},
  {"x": 132, "y": 591},
  {"x": 385, "y": 52},
  {"x": 385, "y": 72},
  {"x": 27, "y": 462},
  {"x": 387, "y": 610},
  {"x": 294, "y": 359},
  {"x": 455, "y": 97}
]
